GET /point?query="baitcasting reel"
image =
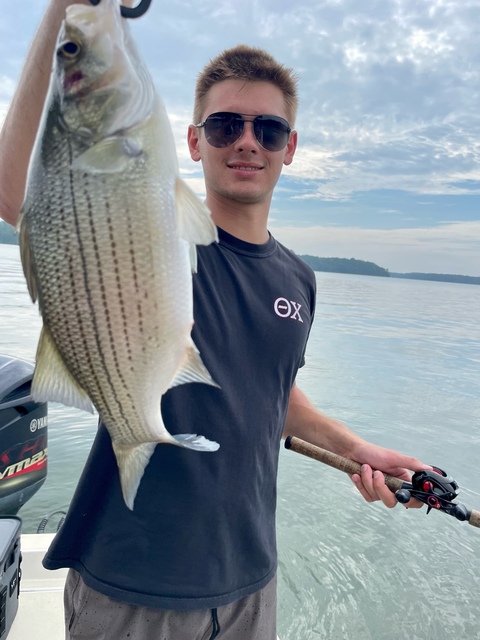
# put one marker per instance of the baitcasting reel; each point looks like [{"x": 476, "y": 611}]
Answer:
[{"x": 435, "y": 489}]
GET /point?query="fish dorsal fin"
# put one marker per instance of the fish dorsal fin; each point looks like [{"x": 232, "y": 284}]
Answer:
[
  {"x": 52, "y": 381},
  {"x": 26, "y": 257},
  {"x": 111, "y": 155},
  {"x": 193, "y": 370},
  {"x": 132, "y": 461},
  {"x": 195, "y": 224}
]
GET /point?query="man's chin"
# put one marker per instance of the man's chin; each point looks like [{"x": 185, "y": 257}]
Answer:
[{"x": 242, "y": 196}]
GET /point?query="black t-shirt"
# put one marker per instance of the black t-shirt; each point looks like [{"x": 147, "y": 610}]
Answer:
[{"x": 202, "y": 532}]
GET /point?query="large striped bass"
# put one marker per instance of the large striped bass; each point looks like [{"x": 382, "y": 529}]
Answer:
[{"x": 107, "y": 234}]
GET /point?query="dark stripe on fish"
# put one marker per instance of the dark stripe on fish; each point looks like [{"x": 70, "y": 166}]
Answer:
[
  {"x": 68, "y": 330},
  {"x": 93, "y": 369},
  {"x": 118, "y": 280},
  {"x": 105, "y": 313},
  {"x": 134, "y": 268}
]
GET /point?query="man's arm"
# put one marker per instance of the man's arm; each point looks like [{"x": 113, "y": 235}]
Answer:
[
  {"x": 18, "y": 133},
  {"x": 308, "y": 423}
]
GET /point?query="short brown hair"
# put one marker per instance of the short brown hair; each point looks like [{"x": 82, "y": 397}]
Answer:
[{"x": 252, "y": 65}]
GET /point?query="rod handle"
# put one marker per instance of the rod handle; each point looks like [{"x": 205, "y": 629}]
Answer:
[
  {"x": 474, "y": 518},
  {"x": 334, "y": 460}
]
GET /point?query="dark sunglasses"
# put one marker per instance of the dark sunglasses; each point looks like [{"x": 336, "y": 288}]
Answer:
[{"x": 224, "y": 128}]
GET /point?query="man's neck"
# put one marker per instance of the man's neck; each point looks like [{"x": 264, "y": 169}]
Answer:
[{"x": 246, "y": 222}]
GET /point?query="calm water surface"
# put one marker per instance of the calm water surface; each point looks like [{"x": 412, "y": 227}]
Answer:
[{"x": 399, "y": 362}]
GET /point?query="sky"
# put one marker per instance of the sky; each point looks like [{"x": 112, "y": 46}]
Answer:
[{"x": 387, "y": 167}]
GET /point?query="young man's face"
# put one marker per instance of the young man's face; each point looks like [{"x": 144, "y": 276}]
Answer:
[{"x": 243, "y": 172}]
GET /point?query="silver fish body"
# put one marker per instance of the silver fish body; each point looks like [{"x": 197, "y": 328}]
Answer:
[{"x": 108, "y": 234}]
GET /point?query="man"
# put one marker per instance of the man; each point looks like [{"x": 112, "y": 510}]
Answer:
[{"x": 196, "y": 558}]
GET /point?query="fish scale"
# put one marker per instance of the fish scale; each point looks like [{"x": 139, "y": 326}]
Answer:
[{"x": 108, "y": 233}]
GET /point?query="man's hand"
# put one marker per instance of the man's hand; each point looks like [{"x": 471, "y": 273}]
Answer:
[{"x": 375, "y": 460}]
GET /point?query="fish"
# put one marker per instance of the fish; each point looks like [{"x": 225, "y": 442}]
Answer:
[{"x": 108, "y": 234}]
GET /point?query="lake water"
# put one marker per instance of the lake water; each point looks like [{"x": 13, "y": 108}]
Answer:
[{"x": 399, "y": 362}]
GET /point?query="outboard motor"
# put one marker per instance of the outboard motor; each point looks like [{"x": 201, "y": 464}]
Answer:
[{"x": 23, "y": 436}]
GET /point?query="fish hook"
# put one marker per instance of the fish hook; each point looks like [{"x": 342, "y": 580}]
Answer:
[{"x": 130, "y": 12}]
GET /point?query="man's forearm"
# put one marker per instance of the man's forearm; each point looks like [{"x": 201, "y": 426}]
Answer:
[
  {"x": 19, "y": 130},
  {"x": 306, "y": 422}
]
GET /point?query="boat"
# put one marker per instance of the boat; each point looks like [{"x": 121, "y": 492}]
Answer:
[
  {"x": 40, "y": 601},
  {"x": 29, "y": 594}
]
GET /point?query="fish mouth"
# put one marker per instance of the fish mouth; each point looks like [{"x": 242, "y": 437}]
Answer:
[{"x": 73, "y": 79}]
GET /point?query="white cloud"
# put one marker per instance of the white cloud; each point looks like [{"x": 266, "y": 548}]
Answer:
[{"x": 365, "y": 160}]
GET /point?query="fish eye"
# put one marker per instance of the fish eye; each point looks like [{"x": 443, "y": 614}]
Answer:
[{"x": 69, "y": 49}]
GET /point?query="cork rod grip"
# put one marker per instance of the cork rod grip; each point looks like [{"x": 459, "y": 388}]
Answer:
[
  {"x": 334, "y": 460},
  {"x": 474, "y": 518}
]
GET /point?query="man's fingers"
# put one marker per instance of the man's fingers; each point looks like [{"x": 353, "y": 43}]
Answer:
[
  {"x": 382, "y": 491},
  {"x": 372, "y": 487},
  {"x": 357, "y": 480}
]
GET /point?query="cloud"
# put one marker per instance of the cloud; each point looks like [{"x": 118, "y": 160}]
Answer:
[
  {"x": 389, "y": 95},
  {"x": 392, "y": 92}
]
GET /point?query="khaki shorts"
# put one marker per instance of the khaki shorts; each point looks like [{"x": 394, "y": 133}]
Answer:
[{"x": 90, "y": 615}]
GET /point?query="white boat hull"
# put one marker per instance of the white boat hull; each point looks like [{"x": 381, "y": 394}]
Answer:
[{"x": 40, "y": 606}]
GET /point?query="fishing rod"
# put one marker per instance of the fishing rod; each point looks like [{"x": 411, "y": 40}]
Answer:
[
  {"x": 130, "y": 12},
  {"x": 433, "y": 487}
]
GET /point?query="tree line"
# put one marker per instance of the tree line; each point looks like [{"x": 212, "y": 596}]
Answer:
[
  {"x": 364, "y": 268},
  {"x": 345, "y": 265}
]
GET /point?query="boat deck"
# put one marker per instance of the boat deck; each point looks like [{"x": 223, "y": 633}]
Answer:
[{"x": 40, "y": 608}]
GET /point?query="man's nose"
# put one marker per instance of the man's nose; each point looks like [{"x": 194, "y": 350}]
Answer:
[{"x": 247, "y": 139}]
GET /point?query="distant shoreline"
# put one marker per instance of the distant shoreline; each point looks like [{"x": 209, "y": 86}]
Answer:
[
  {"x": 329, "y": 265},
  {"x": 364, "y": 268},
  {"x": 439, "y": 277}
]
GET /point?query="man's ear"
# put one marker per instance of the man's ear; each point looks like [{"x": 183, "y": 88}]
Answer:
[
  {"x": 193, "y": 142},
  {"x": 291, "y": 147}
]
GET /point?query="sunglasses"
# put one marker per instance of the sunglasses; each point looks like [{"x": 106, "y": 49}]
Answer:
[{"x": 224, "y": 128}]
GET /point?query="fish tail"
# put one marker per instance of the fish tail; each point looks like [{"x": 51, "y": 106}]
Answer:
[
  {"x": 192, "y": 441},
  {"x": 132, "y": 460}
]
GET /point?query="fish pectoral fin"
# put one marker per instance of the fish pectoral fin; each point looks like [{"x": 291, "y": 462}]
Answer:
[
  {"x": 132, "y": 460},
  {"x": 26, "y": 258},
  {"x": 197, "y": 443},
  {"x": 195, "y": 224},
  {"x": 111, "y": 155},
  {"x": 193, "y": 370},
  {"x": 52, "y": 381}
]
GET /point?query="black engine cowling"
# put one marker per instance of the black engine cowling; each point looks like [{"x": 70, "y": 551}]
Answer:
[{"x": 23, "y": 436}]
